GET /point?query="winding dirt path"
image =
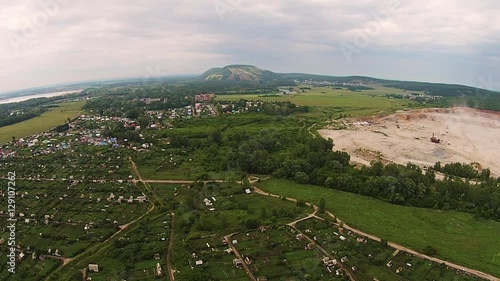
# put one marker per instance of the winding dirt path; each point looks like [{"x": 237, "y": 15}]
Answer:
[
  {"x": 310, "y": 216},
  {"x": 170, "y": 249}
]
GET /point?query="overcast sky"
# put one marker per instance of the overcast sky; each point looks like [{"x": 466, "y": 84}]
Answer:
[{"x": 55, "y": 41}]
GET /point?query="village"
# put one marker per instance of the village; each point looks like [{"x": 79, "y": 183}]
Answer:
[{"x": 93, "y": 129}]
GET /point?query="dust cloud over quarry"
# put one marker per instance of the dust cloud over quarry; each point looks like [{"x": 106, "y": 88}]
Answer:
[{"x": 465, "y": 135}]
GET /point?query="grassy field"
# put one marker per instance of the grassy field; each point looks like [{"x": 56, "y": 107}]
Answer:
[
  {"x": 458, "y": 237},
  {"x": 48, "y": 120},
  {"x": 341, "y": 100}
]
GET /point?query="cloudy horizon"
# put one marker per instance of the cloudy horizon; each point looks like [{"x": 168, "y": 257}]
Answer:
[{"x": 47, "y": 42}]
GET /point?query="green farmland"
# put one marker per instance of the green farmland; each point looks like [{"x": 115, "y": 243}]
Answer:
[
  {"x": 458, "y": 237},
  {"x": 361, "y": 103},
  {"x": 56, "y": 116}
]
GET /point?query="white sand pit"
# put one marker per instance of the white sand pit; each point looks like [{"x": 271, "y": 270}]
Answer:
[{"x": 467, "y": 136}]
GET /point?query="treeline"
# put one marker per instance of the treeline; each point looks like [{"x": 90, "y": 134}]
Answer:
[
  {"x": 462, "y": 170},
  {"x": 130, "y": 105},
  {"x": 12, "y": 113},
  {"x": 455, "y": 94},
  {"x": 403, "y": 185},
  {"x": 227, "y": 86},
  {"x": 10, "y": 120},
  {"x": 283, "y": 108},
  {"x": 358, "y": 88},
  {"x": 273, "y": 108},
  {"x": 18, "y": 112},
  {"x": 408, "y": 185},
  {"x": 436, "y": 89}
]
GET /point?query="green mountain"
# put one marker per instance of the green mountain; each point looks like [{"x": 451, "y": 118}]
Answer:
[{"x": 239, "y": 73}]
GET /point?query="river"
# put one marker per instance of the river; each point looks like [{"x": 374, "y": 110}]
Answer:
[{"x": 47, "y": 95}]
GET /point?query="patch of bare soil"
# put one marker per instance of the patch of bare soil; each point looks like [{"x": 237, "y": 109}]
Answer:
[{"x": 466, "y": 136}]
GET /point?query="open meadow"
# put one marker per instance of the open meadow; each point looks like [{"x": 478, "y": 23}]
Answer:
[
  {"x": 457, "y": 237},
  {"x": 50, "y": 119},
  {"x": 360, "y": 103}
]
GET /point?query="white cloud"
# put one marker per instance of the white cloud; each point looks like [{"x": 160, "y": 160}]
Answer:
[{"x": 121, "y": 38}]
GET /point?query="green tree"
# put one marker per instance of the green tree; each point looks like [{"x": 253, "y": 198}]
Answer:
[
  {"x": 215, "y": 136},
  {"x": 246, "y": 183},
  {"x": 143, "y": 121},
  {"x": 430, "y": 251},
  {"x": 485, "y": 174},
  {"x": 132, "y": 114},
  {"x": 329, "y": 182},
  {"x": 301, "y": 177},
  {"x": 301, "y": 203},
  {"x": 252, "y": 223}
]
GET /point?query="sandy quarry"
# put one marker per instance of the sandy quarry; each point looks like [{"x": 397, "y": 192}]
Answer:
[{"x": 466, "y": 135}]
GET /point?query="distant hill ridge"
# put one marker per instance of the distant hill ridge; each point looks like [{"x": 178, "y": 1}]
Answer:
[
  {"x": 250, "y": 73},
  {"x": 239, "y": 73}
]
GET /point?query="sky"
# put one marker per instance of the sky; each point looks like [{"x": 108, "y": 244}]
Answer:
[{"x": 46, "y": 42}]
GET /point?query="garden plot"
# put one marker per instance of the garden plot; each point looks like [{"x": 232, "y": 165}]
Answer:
[
  {"x": 276, "y": 253},
  {"x": 368, "y": 259}
]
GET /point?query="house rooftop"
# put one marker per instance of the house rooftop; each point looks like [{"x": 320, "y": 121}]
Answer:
[{"x": 93, "y": 267}]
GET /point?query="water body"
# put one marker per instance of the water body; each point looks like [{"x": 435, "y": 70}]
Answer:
[{"x": 47, "y": 95}]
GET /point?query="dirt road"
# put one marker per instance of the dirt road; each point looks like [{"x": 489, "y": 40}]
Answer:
[
  {"x": 452, "y": 265},
  {"x": 249, "y": 273},
  {"x": 321, "y": 249},
  {"x": 170, "y": 249}
]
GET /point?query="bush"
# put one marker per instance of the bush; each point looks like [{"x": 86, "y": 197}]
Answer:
[
  {"x": 430, "y": 251},
  {"x": 301, "y": 177},
  {"x": 301, "y": 203},
  {"x": 252, "y": 223}
]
